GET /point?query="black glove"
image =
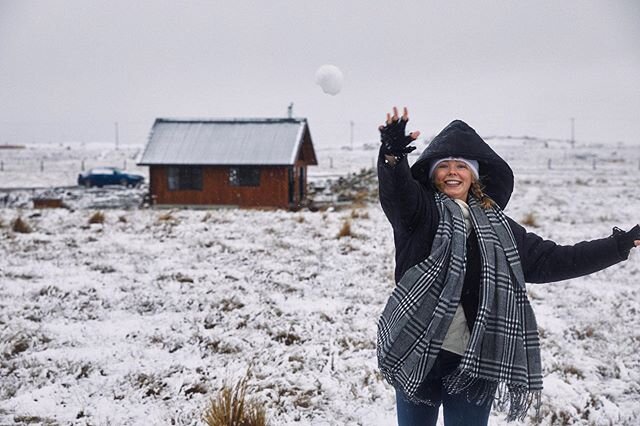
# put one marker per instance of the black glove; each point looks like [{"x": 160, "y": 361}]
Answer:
[
  {"x": 394, "y": 141},
  {"x": 625, "y": 239}
]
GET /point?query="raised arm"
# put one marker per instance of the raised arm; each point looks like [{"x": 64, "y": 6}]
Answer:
[{"x": 401, "y": 196}]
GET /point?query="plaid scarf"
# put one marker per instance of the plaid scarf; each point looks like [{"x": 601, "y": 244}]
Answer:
[{"x": 503, "y": 351}]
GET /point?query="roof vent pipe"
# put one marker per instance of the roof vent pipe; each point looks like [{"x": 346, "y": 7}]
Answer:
[{"x": 290, "y": 110}]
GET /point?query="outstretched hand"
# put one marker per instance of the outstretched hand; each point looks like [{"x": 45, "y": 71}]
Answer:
[
  {"x": 392, "y": 134},
  {"x": 635, "y": 234},
  {"x": 628, "y": 239}
]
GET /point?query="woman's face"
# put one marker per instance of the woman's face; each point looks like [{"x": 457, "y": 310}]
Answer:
[{"x": 454, "y": 178}]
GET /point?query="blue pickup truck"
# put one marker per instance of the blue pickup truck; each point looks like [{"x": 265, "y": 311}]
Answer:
[{"x": 102, "y": 176}]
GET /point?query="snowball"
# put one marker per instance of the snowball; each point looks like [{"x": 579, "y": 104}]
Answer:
[{"x": 329, "y": 78}]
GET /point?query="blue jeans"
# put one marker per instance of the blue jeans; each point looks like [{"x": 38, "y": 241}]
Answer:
[{"x": 457, "y": 410}]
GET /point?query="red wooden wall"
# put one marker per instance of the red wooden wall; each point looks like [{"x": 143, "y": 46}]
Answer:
[{"x": 216, "y": 190}]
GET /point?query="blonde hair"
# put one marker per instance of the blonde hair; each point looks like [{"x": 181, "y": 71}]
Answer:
[{"x": 477, "y": 190}]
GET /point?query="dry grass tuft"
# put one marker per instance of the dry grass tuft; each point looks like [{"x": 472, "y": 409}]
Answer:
[
  {"x": 232, "y": 408},
  {"x": 167, "y": 217},
  {"x": 360, "y": 198},
  {"x": 97, "y": 217},
  {"x": 287, "y": 338},
  {"x": 345, "y": 231},
  {"x": 228, "y": 305},
  {"x": 355, "y": 214},
  {"x": 122, "y": 219},
  {"x": 19, "y": 225},
  {"x": 530, "y": 220}
]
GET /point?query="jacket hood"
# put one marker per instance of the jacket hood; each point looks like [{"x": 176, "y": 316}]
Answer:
[{"x": 458, "y": 139}]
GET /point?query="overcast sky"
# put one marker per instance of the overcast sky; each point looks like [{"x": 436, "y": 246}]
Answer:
[{"x": 70, "y": 69}]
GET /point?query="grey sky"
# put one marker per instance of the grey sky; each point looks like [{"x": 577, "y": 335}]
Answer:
[{"x": 70, "y": 69}]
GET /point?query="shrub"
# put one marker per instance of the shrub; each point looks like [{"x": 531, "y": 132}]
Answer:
[
  {"x": 287, "y": 338},
  {"x": 360, "y": 198},
  {"x": 97, "y": 217},
  {"x": 530, "y": 220},
  {"x": 151, "y": 384},
  {"x": 122, "y": 219},
  {"x": 228, "y": 305},
  {"x": 166, "y": 217},
  {"x": 20, "y": 226},
  {"x": 345, "y": 231},
  {"x": 232, "y": 408},
  {"x": 355, "y": 214}
]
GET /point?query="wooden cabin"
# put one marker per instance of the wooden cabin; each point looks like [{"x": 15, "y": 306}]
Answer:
[{"x": 236, "y": 162}]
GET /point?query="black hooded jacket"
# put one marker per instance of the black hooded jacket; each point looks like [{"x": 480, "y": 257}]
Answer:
[{"x": 406, "y": 196}]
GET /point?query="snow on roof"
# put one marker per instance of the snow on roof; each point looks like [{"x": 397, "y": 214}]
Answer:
[{"x": 265, "y": 141}]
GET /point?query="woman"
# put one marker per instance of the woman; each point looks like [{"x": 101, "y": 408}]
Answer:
[{"x": 458, "y": 326}]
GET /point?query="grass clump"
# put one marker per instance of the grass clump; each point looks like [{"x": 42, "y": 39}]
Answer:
[
  {"x": 97, "y": 217},
  {"x": 167, "y": 217},
  {"x": 355, "y": 214},
  {"x": 530, "y": 220},
  {"x": 231, "y": 407},
  {"x": 19, "y": 225},
  {"x": 345, "y": 231}
]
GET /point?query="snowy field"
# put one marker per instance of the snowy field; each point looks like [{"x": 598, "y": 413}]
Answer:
[{"x": 139, "y": 320}]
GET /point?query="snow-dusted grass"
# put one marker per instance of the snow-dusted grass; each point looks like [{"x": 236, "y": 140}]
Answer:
[{"x": 142, "y": 318}]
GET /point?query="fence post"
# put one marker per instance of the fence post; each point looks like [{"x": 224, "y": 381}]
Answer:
[
  {"x": 594, "y": 164},
  {"x": 549, "y": 163},
  {"x": 82, "y": 165},
  {"x": 125, "y": 164},
  {"x": 42, "y": 165},
  {"x": 1, "y": 166},
  {"x": 331, "y": 162}
]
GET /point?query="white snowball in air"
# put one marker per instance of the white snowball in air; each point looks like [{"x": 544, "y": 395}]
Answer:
[{"x": 329, "y": 78}]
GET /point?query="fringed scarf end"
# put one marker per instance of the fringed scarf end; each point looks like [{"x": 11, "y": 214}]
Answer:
[
  {"x": 477, "y": 390},
  {"x": 519, "y": 399},
  {"x": 516, "y": 400},
  {"x": 413, "y": 397}
]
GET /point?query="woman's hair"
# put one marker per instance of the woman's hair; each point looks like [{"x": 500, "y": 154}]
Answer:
[{"x": 477, "y": 190}]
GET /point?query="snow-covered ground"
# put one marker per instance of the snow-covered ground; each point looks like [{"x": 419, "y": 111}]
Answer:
[{"x": 140, "y": 320}]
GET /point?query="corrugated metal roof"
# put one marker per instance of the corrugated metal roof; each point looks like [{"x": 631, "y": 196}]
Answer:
[{"x": 225, "y": 142}]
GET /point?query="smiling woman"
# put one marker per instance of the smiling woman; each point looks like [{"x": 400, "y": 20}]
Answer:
[
  {"x": 454, "y": 176},
  {"x": 459, "y": 324}
]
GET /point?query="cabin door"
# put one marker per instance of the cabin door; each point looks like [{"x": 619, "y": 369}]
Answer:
[
  {"x": 292, "y": 185},
  {"x": 301, "y": 185}
]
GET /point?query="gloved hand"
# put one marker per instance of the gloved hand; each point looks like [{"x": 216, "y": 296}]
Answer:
[
  {"x": 626, "y": 240},
  {"x": 392, "y": 135}
]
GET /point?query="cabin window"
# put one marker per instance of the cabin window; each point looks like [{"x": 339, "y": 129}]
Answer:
[
  {"x": 244, "y": 176},
  {"x": 184, "y": 177}
]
